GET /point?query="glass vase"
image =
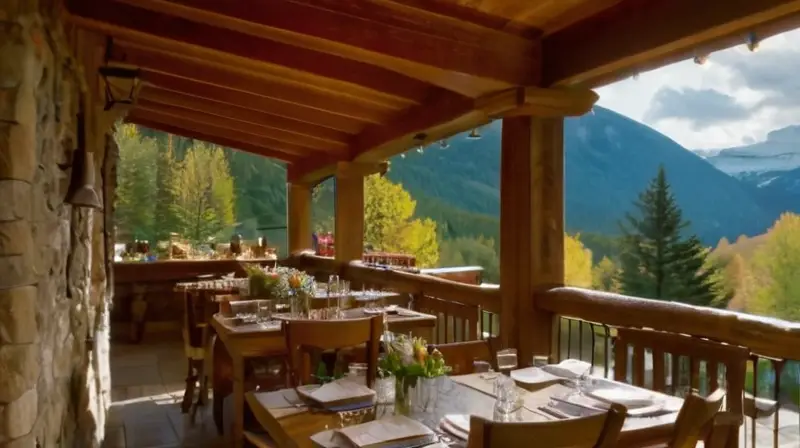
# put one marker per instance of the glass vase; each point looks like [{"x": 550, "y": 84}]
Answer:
[{"x": 404, "y": 388}]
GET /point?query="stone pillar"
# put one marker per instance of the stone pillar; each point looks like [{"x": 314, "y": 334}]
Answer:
[
  {"x": 298, "y": 216},
  {"x": 53, "y": 379}
]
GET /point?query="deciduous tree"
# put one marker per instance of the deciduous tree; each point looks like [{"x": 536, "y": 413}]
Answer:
[
  {"x": 776, "y": 265},
  {"x": 136, "y": 183}
]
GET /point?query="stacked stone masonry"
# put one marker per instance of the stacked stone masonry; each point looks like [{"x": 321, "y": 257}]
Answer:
[{"x": 54, "y": 375}]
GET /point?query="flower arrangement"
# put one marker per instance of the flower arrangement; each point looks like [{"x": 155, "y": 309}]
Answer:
[
  {"x": 280, "y": 283},
  {"x": 407, "y": 359}
]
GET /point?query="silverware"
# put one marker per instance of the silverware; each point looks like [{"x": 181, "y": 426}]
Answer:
[
  {"x": 580, "y": 405},
  {"x": 554, "y": 412}
]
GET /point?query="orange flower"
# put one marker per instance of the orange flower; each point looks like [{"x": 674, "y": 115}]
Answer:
[
  {"x": 294, "y": 281},
  {"x": 421, "y": 354}
]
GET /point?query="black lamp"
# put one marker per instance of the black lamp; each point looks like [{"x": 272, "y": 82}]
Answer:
[
  {"x": 118, "y": 79},
  {"x": 81, "y": 192}
]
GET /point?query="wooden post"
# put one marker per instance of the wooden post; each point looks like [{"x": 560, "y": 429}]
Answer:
[
  {"x": 298, "y": 215},
  {"x": 349, "y": 226},
  {"x": 531, "y": 229}
]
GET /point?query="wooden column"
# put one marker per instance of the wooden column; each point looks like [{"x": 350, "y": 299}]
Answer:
[
  {"x": 349, "y": 225},
  {"x": 298, "y": 216},
  {"x": 531, "y": 229}
]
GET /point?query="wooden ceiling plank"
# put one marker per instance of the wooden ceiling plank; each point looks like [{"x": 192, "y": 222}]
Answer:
[
  {"x": 126, "y": 21},
  {"x": 241, "y": 126},
  {"x": 634, "y": 36},
  {"x": 255, "y": 102},
  {"x": 436, "y": 49},
  {"x": 225, "y": 76},
  {"x": 216, "y": 130},
  {"x": 140, "y": 120},
  {"x": 161, "y": 96}
]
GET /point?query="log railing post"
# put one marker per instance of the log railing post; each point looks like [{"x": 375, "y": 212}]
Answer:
[
  {"x": 349, "y": 225},
  {"x": 298, "y": 216},
  {"x": 532, "y": 220}
]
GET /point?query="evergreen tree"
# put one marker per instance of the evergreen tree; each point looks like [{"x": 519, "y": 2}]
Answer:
[
  {"x": 165, "y": 220},
  {"x": 136, "y": 183},
  {"x": 658, "y": 262}
]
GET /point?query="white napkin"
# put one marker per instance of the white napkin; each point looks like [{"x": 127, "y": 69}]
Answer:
[
  {"x": 568, "y": 368},
  {"x": 395, "y": 428}
]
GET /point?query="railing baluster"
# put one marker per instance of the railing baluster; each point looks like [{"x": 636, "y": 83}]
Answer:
[
  {"x": 591, "y": 328},
  {"x": 755, "y": 395},
  {"x": 658, "y": 370},
  {"x": 675, "y": 365},
  {"x": 569, "y": 339},
  {"x": 580, "y": 340},
  {"x": 607, "y": 344},
  {"x": 777, "y": 365},
  {"x": 560, "y": 323}
]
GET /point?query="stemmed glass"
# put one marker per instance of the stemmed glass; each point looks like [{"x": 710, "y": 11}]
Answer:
[{"x": 507, "y": 360}]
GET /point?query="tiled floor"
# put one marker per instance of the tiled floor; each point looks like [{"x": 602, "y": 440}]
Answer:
[{"x": 147, "y": 388}]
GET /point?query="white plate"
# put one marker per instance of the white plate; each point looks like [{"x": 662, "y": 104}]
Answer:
[
  {"x": 533, "y": 375},
  {"x": 628, "y": 396}
]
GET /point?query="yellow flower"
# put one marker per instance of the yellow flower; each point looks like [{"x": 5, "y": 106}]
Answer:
[
  {"x": 421, "y": 354},
  {"x": 294, "y": 281}
]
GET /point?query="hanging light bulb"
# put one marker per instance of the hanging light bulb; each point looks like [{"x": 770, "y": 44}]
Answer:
[
  {"x": 402, "y": 156},
  {"x": 443, "y": 144},
  {"x": 701, "y": 59},
  {"x": 752, "y": 42},
  {"x": 474, "y": 134},
  {"x": 420, "y": 149}
]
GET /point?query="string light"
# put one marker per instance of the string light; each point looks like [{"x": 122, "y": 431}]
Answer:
[
  {"x": 420, "y": 149},
  {"x": 701, "y": 59},
  {"x": 443, "y": 144},
  {"x": 475, "y": 134},
  {"x": 752, "y": 42}
]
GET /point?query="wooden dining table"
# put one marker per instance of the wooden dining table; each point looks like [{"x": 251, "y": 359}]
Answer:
[
  {"x": 290, "y": 426},
  {"x": 236, "y": 343}
]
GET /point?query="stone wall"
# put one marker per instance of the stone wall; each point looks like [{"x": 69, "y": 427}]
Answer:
[{"x": 54, "y": 374}]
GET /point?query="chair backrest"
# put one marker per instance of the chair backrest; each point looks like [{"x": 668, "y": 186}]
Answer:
[
  {"x": 302, "y": 335},
  {"x": 724, "y": 431},
  {"x": 597, "y": 431},
  {"x": 455, "y": 322},
  {"x": 695, "y": 418},
  {"x": 695, "y": 350},
  {"x": 460, "y": 355}
]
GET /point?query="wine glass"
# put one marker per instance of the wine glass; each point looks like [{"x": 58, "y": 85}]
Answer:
[{"x": 507, "y": 360}]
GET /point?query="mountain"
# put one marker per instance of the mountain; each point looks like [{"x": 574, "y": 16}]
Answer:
[{"x": 609, "y": 159}]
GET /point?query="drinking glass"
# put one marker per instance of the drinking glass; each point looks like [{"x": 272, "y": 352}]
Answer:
[
  {"x": 540, "y": 361},
  {"x": 344, "y": 297},
  {"x": 508, "y": 395},
  {"x": 481, "y": 366},
  {"x": 264, "y": 311},
  {"x": 507, "y": 360},
  {"x": 357, "y": 372}
]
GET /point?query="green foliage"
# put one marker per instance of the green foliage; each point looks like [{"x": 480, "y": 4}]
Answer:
[
  {"x": 776, "y": 264},
  {"x": 136, "y": 183},
  {"x": 604, "y": 276},
  {"x": 657, "y": 261},
  {"x": 204, "y": 194},
  {"x": 467, "y": 251}
]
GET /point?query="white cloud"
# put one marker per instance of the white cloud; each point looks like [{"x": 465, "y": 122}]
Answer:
[{"x": 761, "y": 90}]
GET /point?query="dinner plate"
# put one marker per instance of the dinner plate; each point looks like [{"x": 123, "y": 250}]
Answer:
[
  {"x": 628, "y": 396},
  {"x": 533, "y": 375}
]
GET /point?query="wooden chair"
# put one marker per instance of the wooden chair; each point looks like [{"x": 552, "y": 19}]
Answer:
[
  {"x": 455, "y": 322},
  {"x": 695, "y": 418},
  {"x": 460, "y": 355},
  {"x": 198, "y": 309},
  {"x": 597, "y": 431},
  {"x": 724, "y": 431},
  {"x": 733, "y": 358},
  {"x": 302, "y": 335}
]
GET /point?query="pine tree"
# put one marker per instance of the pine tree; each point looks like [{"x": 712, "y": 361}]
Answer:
[
  {"x": 165, "y": 220},
  {"x": 658, "y": 262}
]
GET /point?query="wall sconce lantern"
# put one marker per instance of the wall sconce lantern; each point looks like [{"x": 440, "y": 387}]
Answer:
[
  {"x": 81, "y": 192},
  {"x": 121, "y": 83}
]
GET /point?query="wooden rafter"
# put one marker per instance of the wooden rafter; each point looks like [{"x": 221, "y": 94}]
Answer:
[
  {"x": 181, "y": 35},
  {"x": 225, "y": 110},
  {"x": 436, "y": 49},
  {"x": 275, "y": 146},
  {"x": 244, "y": 127},
  {"x": 635, "y": 36},
  {"x": 255, "y": 102},
  {"x": 172, "y": 128},
  {"x": 225, "y": 76}
]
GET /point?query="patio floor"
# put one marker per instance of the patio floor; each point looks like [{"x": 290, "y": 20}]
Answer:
[{"x": 147, "y": 389}]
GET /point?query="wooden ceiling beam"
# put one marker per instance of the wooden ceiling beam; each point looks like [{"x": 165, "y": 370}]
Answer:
[
  {"x": 278, "y": 147},
  {"x": 225, "y": 110},
  {"x": 244, "y": 127},
  {"x": 128, "y": 22},
  {"x": 226, "y": 76},
  {"x": 254, "y": 102},
  {"x": 635, "y": 36},
  {"x": 444, "y": 51},
  {"x": 142, "y": 120}
]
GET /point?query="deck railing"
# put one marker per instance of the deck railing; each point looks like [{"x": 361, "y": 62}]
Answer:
[{"x": 587, "y": 322}]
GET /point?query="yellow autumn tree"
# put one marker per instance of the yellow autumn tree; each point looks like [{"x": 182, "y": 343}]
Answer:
[
  {"x": 577, "y": 262},
  {"x": 775, "y": 265},
  {"x": 604, "y": 276},
  {"x": 389, "y": 223}
]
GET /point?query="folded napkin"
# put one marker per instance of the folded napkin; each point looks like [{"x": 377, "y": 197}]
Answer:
[
  {"x": 396, "y": 432},
  {"x": 281, "y": 403},
  {"x": 340, "y": 393},
  {"x": 568, "y": 368}
]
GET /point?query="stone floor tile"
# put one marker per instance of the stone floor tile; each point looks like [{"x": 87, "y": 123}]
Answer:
[
  {"x": 115, "y": 437},
  {"x": 150, "y": 435},
  {"x": 135, "y": 376}
]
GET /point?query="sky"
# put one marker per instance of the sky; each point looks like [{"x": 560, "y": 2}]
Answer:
[{"x": 734, "y": 99}]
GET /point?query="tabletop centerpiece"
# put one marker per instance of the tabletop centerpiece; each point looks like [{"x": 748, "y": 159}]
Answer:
[
  {"x": 408, "y": 361},
  {"x": 284, "y": 285}
]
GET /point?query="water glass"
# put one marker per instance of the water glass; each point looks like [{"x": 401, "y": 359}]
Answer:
[
  {"x": 507, "y": 359},
  {"x": 507, "y": 394},
  {"x": 384, "y": 389},
  {"x": 357, "y": 372},
  {"x": 481, "y": 366},
  {"x": 540, "y": 361},
  {"x": 264, "y": 311}
]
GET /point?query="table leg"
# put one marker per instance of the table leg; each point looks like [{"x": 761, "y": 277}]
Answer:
[
  {"x": 238, "y": 402},
  {"x": 221, "y": 380}
]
